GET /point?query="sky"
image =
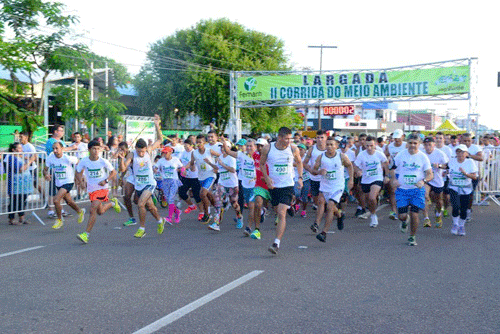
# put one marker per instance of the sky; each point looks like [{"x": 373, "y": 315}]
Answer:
[{"x": 368, "y": 35}]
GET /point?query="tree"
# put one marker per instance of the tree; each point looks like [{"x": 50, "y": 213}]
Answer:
[{"x": 189, "y": 71}]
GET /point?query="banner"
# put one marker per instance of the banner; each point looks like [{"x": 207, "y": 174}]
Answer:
[
  {"x": 375, "y": 84},
  {"x": 140, "y": 129}
]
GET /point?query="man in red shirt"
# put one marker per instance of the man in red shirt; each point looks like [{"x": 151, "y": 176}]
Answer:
[{"x": 262, "y": 195}]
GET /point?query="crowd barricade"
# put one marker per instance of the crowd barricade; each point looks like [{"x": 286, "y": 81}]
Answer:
[
  {"x": 489, "y": 184},
  {"x": 22, "y": 186}
]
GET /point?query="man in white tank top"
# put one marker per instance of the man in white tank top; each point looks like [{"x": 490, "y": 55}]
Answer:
[
  {"x": 330, "y": 166},
  {"x": 144, "y": 183},
  {"x": 391, "y": 150},
  {"x": 311, "y": 156},
  {"x": 280, "y": 156}
]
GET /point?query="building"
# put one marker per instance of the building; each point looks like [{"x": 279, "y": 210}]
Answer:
[{"x": 419, "y": 119}]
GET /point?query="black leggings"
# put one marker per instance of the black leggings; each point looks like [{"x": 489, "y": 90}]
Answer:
[
  {"x": 188, "y": 183},
  {"x": 459, "y": 203},
  {"x": 17, "y": 203}
]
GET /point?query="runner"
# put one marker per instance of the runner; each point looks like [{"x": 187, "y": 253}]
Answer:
[
  {"x": 309, "y": 161},
  {"x": 462, "y": 173},
  {"x": 371, "y": 164},
  {"x": 203, "y": 162},
  {"x": 411, "y": 170},
  {"x": 435, "y": 187},
  {"x": 280, "y": 157},
  {"x": 144, "y": 182},
  {"x": 227, "y": 186},
  {"x": 128, "y": 183},
  {"x": 98, "y": 172},
  {"x": 261, "y": 191},
  {"x": 62, "y": 166},
  {"x": 391, "y": 150},
  {"x": 189, "y": 180},
  {"x": 330, "y": 166},
  {"x": 300, "y": 198},
  {"x": 441, "y": 145},
  {"x": 475, "y": 153},
  {"x": 169, "y": 166}
]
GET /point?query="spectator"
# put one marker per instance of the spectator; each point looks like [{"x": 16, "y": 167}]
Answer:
[
  {"x": 19, "y": 183},
  {"x": 30, "y": 159}
]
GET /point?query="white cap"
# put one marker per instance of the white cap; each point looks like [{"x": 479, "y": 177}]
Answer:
[
  {"x": 462, "y": 147},
  {"x": 397, "y": 134},
  {"x": 262, "y": 141}
]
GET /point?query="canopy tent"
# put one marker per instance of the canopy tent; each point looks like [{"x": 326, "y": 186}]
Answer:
[{"x": 447, "y": 127}]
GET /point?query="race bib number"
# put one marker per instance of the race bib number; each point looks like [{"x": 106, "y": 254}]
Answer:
[
  {"x": 60, "y": 175},
  {"x": 372, "y": 172},
  {"x": 332, "y": 175},
  {"x": 410, "y": 180},
  {"x": 281, "y": 169},
  {"x": 142, "y": 179},
  {"x": 203, "y": 166},
  {"x": 459, "y": 181},
  {"x": 95, "y": 173},
  {"x": 249, "y": 173},
  {"x": 224, "y": 176}
]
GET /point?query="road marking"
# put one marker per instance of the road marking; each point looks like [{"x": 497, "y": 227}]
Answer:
[
  {"x": 168, "y": 319},
  {"x": 21, "y": 251}
]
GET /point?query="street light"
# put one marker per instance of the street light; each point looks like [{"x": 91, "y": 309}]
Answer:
[{"x": 321, "y": 47}]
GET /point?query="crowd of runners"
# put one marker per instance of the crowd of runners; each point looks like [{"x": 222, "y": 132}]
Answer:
[{"x": 415, "y": 174}]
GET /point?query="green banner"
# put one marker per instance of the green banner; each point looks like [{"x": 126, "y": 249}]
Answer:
[{"x": 375, "y": 84}]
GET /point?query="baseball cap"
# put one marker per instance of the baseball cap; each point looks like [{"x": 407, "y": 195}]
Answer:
[
  {"x": 167, "y": 149},
  {"x": 242, "y": 141},
  {"x": 462, "y": 147},
  {"x": 302, "y": 146},
  {"x": 429, "y": 140},
  {"x": 397, "y": 134},
  {"x": 262, "y": 141}
]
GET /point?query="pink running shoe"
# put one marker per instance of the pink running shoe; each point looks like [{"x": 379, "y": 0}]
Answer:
[
  {"x": 168, "y": 220},
  {"x": 303, "y": 214},
  {"x": 177, "y": 216}
]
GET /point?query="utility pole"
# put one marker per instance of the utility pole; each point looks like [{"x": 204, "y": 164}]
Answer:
[{"x": 321, "y": 47}]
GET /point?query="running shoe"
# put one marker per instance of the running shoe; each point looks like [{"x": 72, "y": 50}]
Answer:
[
  {"x": 439, "y": 222},
  {"x": 365, "y": 214},
  {"x": 321, "y": 237},
  {"x": 247, "y": 232},
  {"x": 393, "y": 215},
  {"x": 52, "y": 214},
  {"x": 214, "y": 226},
  {"x": 427, "y": 222},
  {"x": 200, "y": 216},
  {"x": 461, "y": 230},
  {"x": 291, "y": 211},
  {"x": 315, "y": 228},
  {"x": 177, "y": 216},
  {"x": 58, "y": 224},
  {"x": 83, "y": 237},
  {"x": 358, "y": 213},
  {"x": 190, "y": 208},
  {"x": 303, "y": 214},
  {"x": 315, "y": 207},
  {"x": 221, "y": 215},
  {"x": 412, "y": 241},
  {"x": 164, "y": 203},
  {"x": 255, "y": 234},
  {"x": 168, "y": 220},
  {"x": 297, "y": 207},
  {"x": 340, "y": 221},
  {"x": 81, "y": 216},
  {"x": 161, "y": 226},
  {"x": 129, "y": 222},
  {"x": 468, "y": 219},
  {"x": 445, "y": 213},
  {"x": 205, "y": 219},
  {"x": 64, "y": 213},
  {"x": 404, "y": 227},
  {"x": 273, "y": 248},
  {"x": 117, "y": 206},
  {"x": 454, "y": 229},
  {"x": 374, "y": 221},
  {"x": 239, "y": 223},
  {"x": 140, "y": 233}
]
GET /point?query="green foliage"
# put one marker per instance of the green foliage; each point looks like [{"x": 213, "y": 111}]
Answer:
[{"x": 219, "y": 46}]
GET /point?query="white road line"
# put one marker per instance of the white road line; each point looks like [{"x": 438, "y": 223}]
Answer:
[
  {"x": 21, "y": 251},
  {"x": 168, "y": 319}
]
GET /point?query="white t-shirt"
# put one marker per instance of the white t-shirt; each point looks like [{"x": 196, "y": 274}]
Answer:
[
  {"x": 473, "y": 150},
  {"x": 371, "y": 165},
  {"x": 446, "y": 150},
  {"x": 410, "y": 168},
  {"x": 351, "y": 155},
  {"x": 217, "y": 148},
  {"x": 458, "y": 181},
  {"x": 437, "y": 157},
  {"x": 226, "y": 178},
  {"x": 168, "y": 168},
  {"x": 178, "y": 150},
  {"x": 185, "y": 159},
  {"x": 204, "y": 170},
  {"x": 453, "y": 150},
  {"x": 95, "y": 172},
  {"x": 247, "y": 170},
  {"x": 63, "y": 167},
  {"x": 83, "y": 150},
  {"x": 28, "y": 147}
]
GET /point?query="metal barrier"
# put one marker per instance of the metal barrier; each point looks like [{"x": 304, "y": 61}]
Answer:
[{"x": 489, "y": 183}]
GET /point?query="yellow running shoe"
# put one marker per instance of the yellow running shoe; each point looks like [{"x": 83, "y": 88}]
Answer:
[
  {"x": 117, "y": 206},
  {"x": 81, "y": 215},
  {"x": 161, "y": 226},
  {"x": 58, "y": 224},
  {"x": 83, "y": 237},
  {"x": 140, "y": 233},
  {"x": 427, "y": 222},
  {"x": 439, "y": 222}
]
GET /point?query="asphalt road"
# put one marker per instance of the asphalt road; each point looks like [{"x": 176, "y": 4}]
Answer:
[{"x": 362, "y": 280}]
